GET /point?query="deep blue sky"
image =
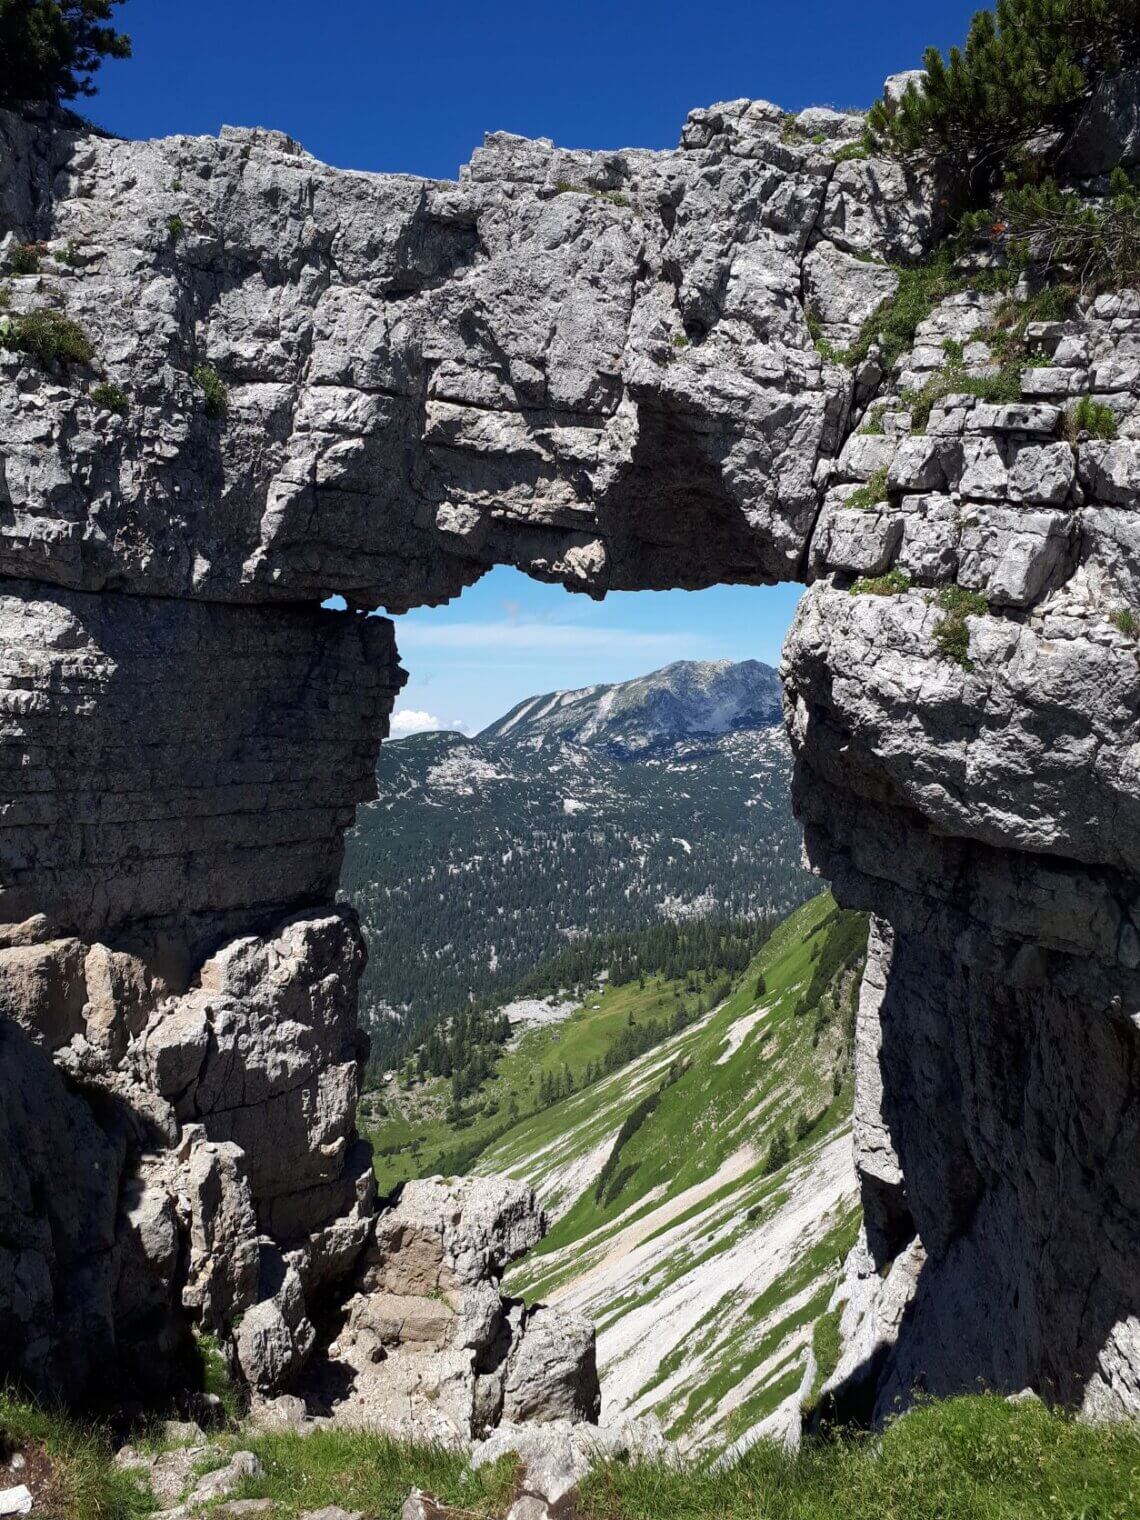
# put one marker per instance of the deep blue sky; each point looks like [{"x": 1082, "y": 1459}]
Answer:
[{"x": 412, "y": 87}]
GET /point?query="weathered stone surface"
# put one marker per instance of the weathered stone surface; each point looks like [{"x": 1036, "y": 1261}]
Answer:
[
  {"x": 59, "y": 1181},
  {"x": 844, "y": 291},
  {"x": 391, "y": 378},
  {"x": 552, "y": 1373},
  {"x": 178, "y": 768},
  {"x": 452, "y": 1234},
  {"x": 1108, "y": 131},
  {"x": 42, "y": 988}
]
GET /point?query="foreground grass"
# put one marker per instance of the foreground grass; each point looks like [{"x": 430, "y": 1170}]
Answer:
[
  {"x": 367, "y": 1472},
  {"x": 965, "y": 1459},
  {"x": 69, "y": 1466}
]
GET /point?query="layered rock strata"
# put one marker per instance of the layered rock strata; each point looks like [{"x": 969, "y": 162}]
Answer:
[{"x": 602, "y": 368}]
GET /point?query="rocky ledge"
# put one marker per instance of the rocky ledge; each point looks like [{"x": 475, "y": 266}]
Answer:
[{"x": 613, "y": 370}]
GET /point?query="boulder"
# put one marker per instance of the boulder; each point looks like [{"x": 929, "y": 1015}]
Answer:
[
  {"x": 552, "y": 1372},
  {"x": 42, "y": 989}
]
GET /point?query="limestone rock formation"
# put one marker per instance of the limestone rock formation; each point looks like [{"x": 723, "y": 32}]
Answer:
[{"x": 598, "y": 367}]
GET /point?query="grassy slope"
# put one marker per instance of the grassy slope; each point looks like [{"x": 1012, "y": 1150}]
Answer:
[
  {"x": 966, "y": 1459},
  {"x": 692, "y": 1247},
  {"x": 416, "y": 1141}
]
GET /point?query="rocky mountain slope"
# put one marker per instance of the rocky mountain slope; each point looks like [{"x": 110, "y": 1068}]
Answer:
[
  {"x": 578, "y": 812},
  {"x": 234, "y": 381},
  {"x": 707, "y": 1261}
]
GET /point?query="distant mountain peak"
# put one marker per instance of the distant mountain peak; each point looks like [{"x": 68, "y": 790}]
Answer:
[{"x": 687, "y": 699}]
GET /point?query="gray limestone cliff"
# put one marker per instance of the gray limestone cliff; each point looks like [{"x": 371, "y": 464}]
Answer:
[{"x": 601, "y": 368}]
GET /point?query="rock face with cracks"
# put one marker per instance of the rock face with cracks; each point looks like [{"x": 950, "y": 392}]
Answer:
[{"x": 600, "y": 368}]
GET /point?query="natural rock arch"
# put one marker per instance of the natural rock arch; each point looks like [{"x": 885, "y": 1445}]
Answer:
[{"x": 596, "y": 367}]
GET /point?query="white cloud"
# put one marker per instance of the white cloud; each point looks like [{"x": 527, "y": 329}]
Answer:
[
  {"x": 534, "y": 638},
  {"x": 410, "y": 721}
]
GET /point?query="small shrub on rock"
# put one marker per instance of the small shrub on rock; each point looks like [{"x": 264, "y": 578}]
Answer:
[
  {"x": 25, "y": 258},
  {"x": 48, "y": 336},
  {"x": 214, "y": 398},
  {"x": 779, "y": 1152},
  {"x": 894, "y": 583},
  {"x": 111, "y": 397},
  {"x": 1126, "y": 621},
  {"x": 951, "y": 633},
  {"x": 175, "y": 226},
  {"x": 1091, "y": 417},
  {"x": 1097, "y": 241}
]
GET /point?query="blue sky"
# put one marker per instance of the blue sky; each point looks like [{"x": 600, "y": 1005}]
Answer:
[{"x": 412, "y": 87}]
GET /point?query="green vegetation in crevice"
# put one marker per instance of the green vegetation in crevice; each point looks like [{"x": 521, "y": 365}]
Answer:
[
  {"x": 952, "y": 633},
  {"x": 972, "y": 1458},
  {"x": 862, "y": 147},
  {"x": 921, "y": 287},
  {"x": 1004, "y": 387},
  {"x": 873, "y": 491},
  {"x": 214, "y": 398},
  {"x": 216, "y": 1379},
  {"x": 111, "y": 397},
  {"x": 1126, "y": 622},
  {"x": 893, "y": 583},
  {"x": 612, "y": 197},
  {"x": 46, "y": 336},
  {"x": 1091, "y": 417}
]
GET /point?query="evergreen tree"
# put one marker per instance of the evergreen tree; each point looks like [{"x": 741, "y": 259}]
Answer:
[
  {"x": 49, "y": 49},
  {"x": 1025, "y": 65}
]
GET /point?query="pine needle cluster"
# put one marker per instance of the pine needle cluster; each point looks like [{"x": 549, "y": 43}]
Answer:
[
  {"x": 49, "y": 49},
  {"x": 1027, "y": 65}
]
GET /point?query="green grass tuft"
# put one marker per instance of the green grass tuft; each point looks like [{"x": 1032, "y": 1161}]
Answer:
[
  {"x": 951, "y": 633},
  {"x": 79, "y": 1480},
  {"x": 47, "y": 336},
  {"x": 216, "y": 1378},
  {"x": 363, "y": 1471},
  {"x": 1091, "y": 417},
  {"x": 921, "y": 287},
  {"x": 952, "y": 380},
  {"x": 111, "y": 397},
  {"x": 1126, "y": 621},
  {"x": 871, "y": 493},
  {"x": 892, "y": 584}
]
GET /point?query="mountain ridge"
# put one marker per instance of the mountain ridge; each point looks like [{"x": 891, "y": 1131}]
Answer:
[
  {"x": 483, "y": 856},
  {"x": 687, "y": 698}
]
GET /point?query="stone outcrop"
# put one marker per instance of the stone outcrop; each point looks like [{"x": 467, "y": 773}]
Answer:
[{"x": 600, "y": 368}]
